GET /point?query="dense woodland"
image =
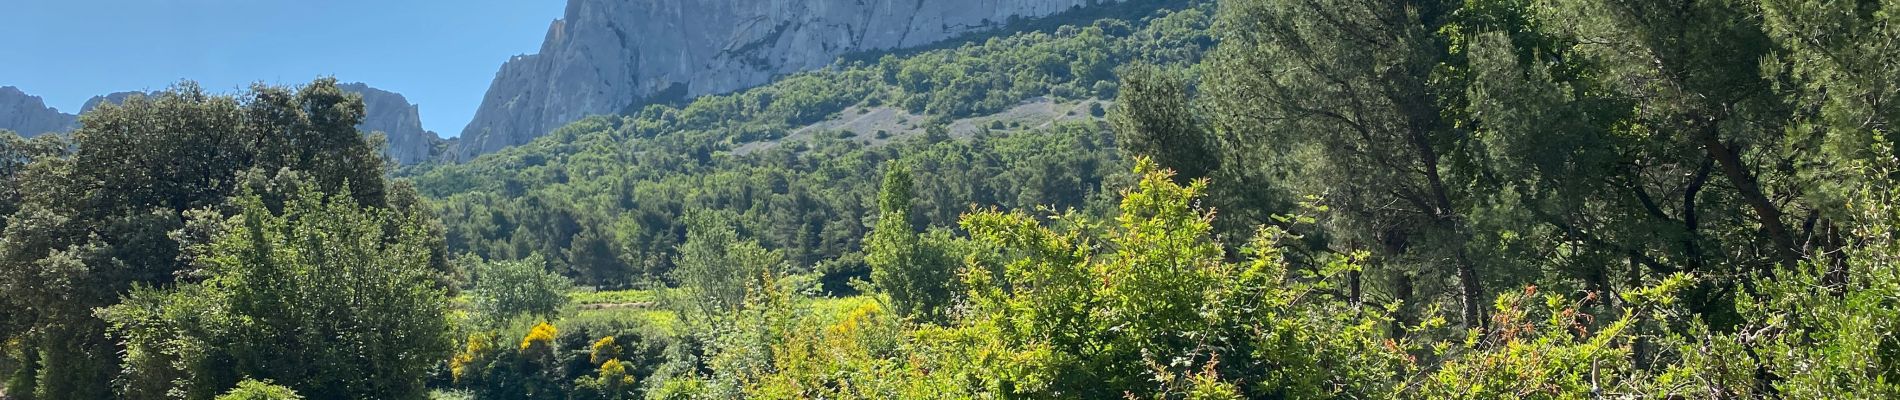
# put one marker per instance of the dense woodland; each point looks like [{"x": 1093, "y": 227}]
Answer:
[{"x": 1560, "y": 199}]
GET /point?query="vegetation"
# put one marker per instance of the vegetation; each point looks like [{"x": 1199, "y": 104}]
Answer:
[
  {"x": 913, "y": 272},
  {"x": 610, "y": 196},
  {"x": 1559, "y": 199},
  {"x": 322, "y": 282},
  {"x": 254, "y": 390},
  {"x": 223, "y": 226},
  {"x": 505, "y": 290}
]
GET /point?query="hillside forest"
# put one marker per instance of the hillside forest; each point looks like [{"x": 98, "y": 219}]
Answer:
[{"x": 1233, "y": 199}]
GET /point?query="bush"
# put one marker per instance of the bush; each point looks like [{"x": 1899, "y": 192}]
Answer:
[
  {"x": 346, "y": 292},
  {"x": 504, "y": 290},
  {"x": 255, "y": 390}
]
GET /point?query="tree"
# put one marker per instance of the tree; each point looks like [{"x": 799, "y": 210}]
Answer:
[
  {"x": 1153, "y": 119},
  {"x": 716, "y": 269},
  {"x": 595, "y": 260},
  {"x": 1343, "y": 90},
  {"x": 321, "y": 297},
  {"x": 255, "y": 390},
  {"x": 1706, "y": 99},
  {"x": 503, "y": 290},
  {"x": 1146, "y": 303},
  {"x": 90, "y": 225},
  {"x": 16, "y": 153},
  {"x": 915, "y": 273}
]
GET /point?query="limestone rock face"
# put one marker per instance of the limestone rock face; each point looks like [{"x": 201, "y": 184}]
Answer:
[
  {"x": 398, "y": 120},
  {"x": 28, "y": 115},
  {"x": 606, "y": 56}
]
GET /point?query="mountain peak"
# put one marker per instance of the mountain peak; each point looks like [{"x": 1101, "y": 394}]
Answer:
[
  {"x": 28, "y": 114},
  {"x": 400, "y": 122}
]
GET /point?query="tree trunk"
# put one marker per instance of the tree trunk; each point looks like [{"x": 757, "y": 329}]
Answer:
[
  {"x": 1402, "y": 291},
  {"x": 1471, "y": 291},
  {"x": 1639, "y": 348},
  {"x": 1691, "y": 219},
  {"x": 1744, "y": 181}
]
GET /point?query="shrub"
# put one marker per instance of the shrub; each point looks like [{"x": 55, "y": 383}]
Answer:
[
  {"x": 504, "y": 290},
  {"x": 256, "y": 390}
]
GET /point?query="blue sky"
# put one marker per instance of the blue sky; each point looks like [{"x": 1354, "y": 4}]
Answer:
[{"x": 441, "y": 54}]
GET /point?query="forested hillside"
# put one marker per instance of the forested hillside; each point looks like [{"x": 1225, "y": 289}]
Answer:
[
  {"x": 1241, "y": 199},
  {"x": 607, "y": 196}
]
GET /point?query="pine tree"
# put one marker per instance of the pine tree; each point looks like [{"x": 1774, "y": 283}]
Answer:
[{"x": 913, "y": 273}]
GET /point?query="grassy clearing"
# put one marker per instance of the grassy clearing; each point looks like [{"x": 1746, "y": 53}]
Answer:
[
  {"x": 664, "y": 321},
  {"x": 631, "y": 296}
]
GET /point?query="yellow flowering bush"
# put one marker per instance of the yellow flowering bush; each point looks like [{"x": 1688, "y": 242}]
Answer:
[
  {"x": 605, "y": 351},
  {"x": 478, "y": 345},
  {"x": 541, "y": 335}
]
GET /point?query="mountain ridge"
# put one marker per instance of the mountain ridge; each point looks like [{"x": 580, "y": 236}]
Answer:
[
  {"x": 29, "y": 115},
  {"x": 598, "y": 59}
]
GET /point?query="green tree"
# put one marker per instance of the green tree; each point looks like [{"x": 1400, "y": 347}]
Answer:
[
  {"x": 16, "y": 153},
  {"x": 504, "y": 290},
  {"x": 1711, "y": 96},
  {"x": 716, "y": 269},
  {"x": 255, "y": 390},
  {"x": 90, "y": 225},
  {"x": 1153, "y": 119},
  {"x": 915, "y": 273},
  {"x": 595, "y": 259},
  {"x": 322, "y": 297},
  {"x": 1343, "y": 90}
]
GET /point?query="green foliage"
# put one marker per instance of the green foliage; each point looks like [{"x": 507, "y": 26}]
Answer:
[
  {"x": 1153, "y": 119},
  {"x": 1812, "y": 332},
  {"x": 914, "y": 272},
  {"x": 586, "y": 359},
  {"x": 255, "y": 390},
  {"x": 91, "y": 219},
  {"x": 614, "y": 191},
  {"x": 344, "y": 289},
  {"x": 1557, "y": 357},
  {"x": 16, "y": 154},
  {"x": 717, "y": 269},
  {"x": 1697, "y": 199},
  {"x": 1147, "y": 306},
  {"x": 504, "y": 290}
]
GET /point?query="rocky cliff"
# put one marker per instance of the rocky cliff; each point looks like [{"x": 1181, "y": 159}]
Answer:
[
  {"x": 28, "y": 115},
  {"x": 605, "y": 56},
  {"x": 399, "y": 121}
]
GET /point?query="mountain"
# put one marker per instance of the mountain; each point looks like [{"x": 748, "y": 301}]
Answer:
[
  {"x": 384, "y": 111},
  {"x": 28, "y": 115},
  {"x": 400, "y": 121},
  {"x": 115, "y": 98},
  {"x": 607, "y": 56}
]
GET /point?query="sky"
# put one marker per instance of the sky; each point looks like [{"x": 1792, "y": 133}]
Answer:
[{"x": 441, "y": 54}]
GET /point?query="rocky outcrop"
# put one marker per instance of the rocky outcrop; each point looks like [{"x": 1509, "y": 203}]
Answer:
[
  {"x": 606, "y": 56},
  {"x": 115, "y": 98},
  {"x": 384, "y": 111},
  {"x": 399, "y": 121},
  {"x": 28, "y": 115}
]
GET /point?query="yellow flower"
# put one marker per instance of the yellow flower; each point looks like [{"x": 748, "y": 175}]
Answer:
[
  {"x": 542, "y": 334},
  {"x": 478, "y": 344},
  {"x": 605, "y": 350},
  {"x": 614, "y": 374}
]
